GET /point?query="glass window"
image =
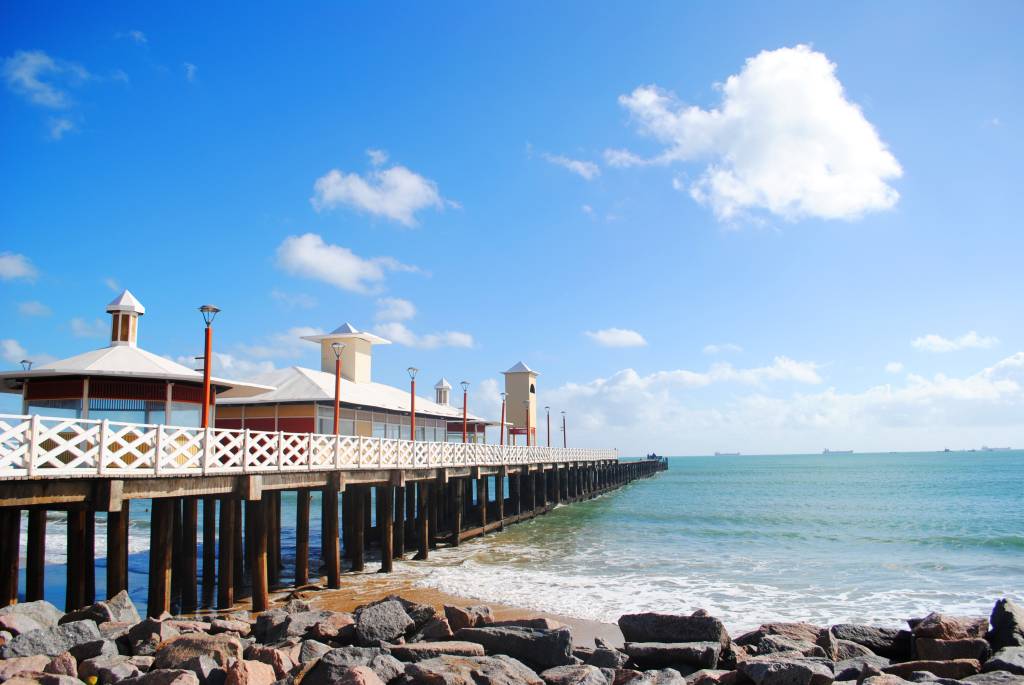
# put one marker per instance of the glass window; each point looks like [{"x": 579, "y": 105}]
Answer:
[
  {"x": 127, "y": 411},
  {"x": 380, "y": 429},
  {"x": 187, "y": 414},
  {"x": 65, "y": 409}
]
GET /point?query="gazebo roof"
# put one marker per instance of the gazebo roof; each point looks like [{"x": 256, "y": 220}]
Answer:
[
  {"x": 126, "y": 302},
  {"x": 443, "y": 384}
]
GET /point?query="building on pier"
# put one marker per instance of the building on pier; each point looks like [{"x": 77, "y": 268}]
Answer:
[
  {"x": 302, "y": 399},
  {"x": 120, "y": 382},
  {"x": 521, "y": 400}
]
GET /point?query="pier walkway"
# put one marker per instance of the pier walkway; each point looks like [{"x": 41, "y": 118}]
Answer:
[{"x": 397, "y": 495}]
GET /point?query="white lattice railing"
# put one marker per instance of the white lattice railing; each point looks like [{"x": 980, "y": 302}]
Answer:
[{"x": 44, "y": 446}]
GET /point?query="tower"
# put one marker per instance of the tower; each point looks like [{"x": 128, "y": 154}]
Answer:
[
  {"x": 521, "y": 398},
  {"x": 125, "y": 311},
  {"x": 443, "y": 392},
  {"x": 356, "y": 356}
]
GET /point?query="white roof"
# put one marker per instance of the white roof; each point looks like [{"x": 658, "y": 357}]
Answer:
[
  {"x": 520, "y": 367},
  {"x": 443, "y": 384},
  {"x": 299, "y": 384},
  {"x": 126, "y": 302},
  {"x": 121, "y": 361},
  {"x": 347, "y": 330}
]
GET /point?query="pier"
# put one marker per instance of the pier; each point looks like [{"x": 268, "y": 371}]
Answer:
[{"x": 223, "y": 487}]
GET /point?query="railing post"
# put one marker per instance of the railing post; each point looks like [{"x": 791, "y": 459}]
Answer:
[
  {"x": 33, "y": 444},
  {"x": 280, "y": 449},
  {"x": 157, "y": 466},
  {"x": 101, "y": 451},
  {"x": 245, "y": 451},
  {"x": 309, "y": 453},
  {"x": 206, "y": 449},
  {"x": 337, "y": 451}
]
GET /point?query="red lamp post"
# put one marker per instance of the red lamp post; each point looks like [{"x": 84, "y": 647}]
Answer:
[
  {"x": 209, "y": 312},
  {"x": 547, "y": 410},
  {"x": 564, "y": 438},
  {"x": 503, "y": 419},
  {"x": 337, "y": 347},
  {"x": 412, "y": 402},
  {"x": 526, "y": 410},
  {"x": 465, "y": 397}
]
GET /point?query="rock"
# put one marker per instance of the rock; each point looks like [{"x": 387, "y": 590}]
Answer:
[
  {"x": 1007, "y": 625},
  {"x": 773, "y": 671},
  {"x": 143, "y": 663},
  {"x": 40, "y": 611},
  {"x": 245, "y": 672},
  {"x": 469, "y": 617},
  {"x": 665, "y": 676},
  {"x": 943, "y": 627},
  {"x": 540, "y": 648},
  {"x": 20, "y": 664},
  {"x": 223, "y": 625},
  {"x": 774, "y": 644},
  {"x": 696, "y": 655},
  {"x": 884, "y": 680},
  {"x": 382, "y": 622},
  {"x": 627, "y": 675},
  {"x": 887, "y": 642},
  {"x": 575, "y": 675},
  {"x": 62, "y": 664},
  {"x": 51, "y": 641},
  {"x": 994, "y": 678},
  {"x": 706, "y": 676},
  {"x": 38, "y": 678},
  {"x": 795, "y": 632},
  {"x": 118, "y": 608},
  {"x": 297, "y": 606},
  {"x": 479, "y": 670},
  {"x": 932, "y": 649},
  {"x": 332, "y": 665},
  {"x": 852, "y": 669},
  {"x": 164, "y": 676},
  {"x": 108, "y": 669},
  {"x": 206, "y": 669},
  {"x": 957, "y": 668},
  {"x": 312, "y": 650},
  {"x": 16, "y": 624},
  {"x": 221, "y": 648},
  {"x": 930, "y": 678},
  {"x": 418, "y": 651},
  {"x": 1010, "y": 659},
  {"x": 846, "y": 649},
  {"x": 337, "y": 625},
  {"x": 436, "y": 628},
  {"x": 653, "y": 627},
  {"x": 145, "y": 635},
  {"x": 359, "y": 675},
  {"x": 602, "y": 657},
  {"x": 275, "y": 658},
  {"x": 93, "y": 649},
  {"x": 419, "y": 613},
  {"x": 537, "y": 623}
]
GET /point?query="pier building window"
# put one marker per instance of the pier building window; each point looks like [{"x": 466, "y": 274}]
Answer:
[
  {"x": 128, "y": 411},
  {"x": 65, "y": 409},
  {"x": 189, "y": 415}
]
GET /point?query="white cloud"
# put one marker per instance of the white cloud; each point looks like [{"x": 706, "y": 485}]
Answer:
[
  {"x": 14, "y": 266},
  {"x": 894, "y": 367},
  {"x": 970, "y": 340},
  {"x": 582, "y": 168},
  {"x": 377, "y": 157},
  {"x": 399, "y": 333},
  {"x": 722, "y": 348},
  {"x": 285, "y": 345},
  {"x": 81, "y": 328},
  {"x": 617, "y": 337},
  {"x": 395, "y": 193},
  {"x": 395, "y": 309},
  {"x": 59, "y": 126},
  {"x": 587, "y": 209},
  {"x": 191, "y": 71},
  {"x": 138, "y": 36},
  {"x": 784, "y": 139},
  {"x": 294, "y": 300},
  {"x": 12, "y": 351},
  {"x": 309, "y": 256},
  {"x": 485, "y": 399},
  {"x": 228, "y": 365},
  {"x": 28, "y": 73},
  {"x": 33, "y": 308},
  {"x": 112, "y": 284}
]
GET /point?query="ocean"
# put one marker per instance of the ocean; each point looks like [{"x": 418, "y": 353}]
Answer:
[{"x": 872, "y": 538}]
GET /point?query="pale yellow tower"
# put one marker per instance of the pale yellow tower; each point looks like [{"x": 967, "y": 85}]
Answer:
[
  {"x": 356, "y": 356},
  {"x": 521, "y": 397}
]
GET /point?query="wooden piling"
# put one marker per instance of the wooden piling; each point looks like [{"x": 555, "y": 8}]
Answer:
[
  {"x": 302, "y": 537},
  {"x": 423, "y": 488},
  {"x": 160, "y": 543},
  {"x": 189, "y": 581},
  {"x": 410, "y": 513},
  {"x": 177, "y": 571},
  {"x": 257, "y": 513},
  {"x": 499, "y": 495},
  {"x": 226, "y": 555},
  {"x": 117, "y": 550},
  {"x": 434, "y": 512},
  {"x": 399, "y": 522},
  {"x": 482, "y": 490},
  {"x": 460, "y": 488},
  {"x": 89, "y": 557},
  {"x": 239, "y": 553},
  {"x": 386, "y": 524},
  {"x": 358, "y": 494},
  {"x": 10, "y": 520},
  {"x": 347, "y": 517},
  {"x": 35, "y": 562},
  {"x": 74, "y": 591},
  {"x": 329, "y": 533},
  {"x": 209, "y": 550},
  {"x": 273, "y": 506}
]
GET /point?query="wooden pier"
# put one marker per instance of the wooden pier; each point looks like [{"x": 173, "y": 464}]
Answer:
[{"x": 224, "y": 487}]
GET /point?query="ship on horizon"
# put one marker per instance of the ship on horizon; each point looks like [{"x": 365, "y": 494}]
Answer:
[
  {"x": 727, "y": 454},
  {"x": 828, "y": 451},
  {"x": 986, "y": 448}
]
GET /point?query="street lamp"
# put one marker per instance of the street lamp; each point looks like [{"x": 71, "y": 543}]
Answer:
[
  {"x": 26, "y": 364},
  {"x": 564, "y": 439},
  {"x": 465, "y": 396},
  {"x": 547, "y": 410},
  {"x": 337, "y": 347},
  {"x": 503, "y": 419},
  {"x": 526, "y": 410},
  {"x": 412, "y": 402},
  {"x": 209, "y": 312}
]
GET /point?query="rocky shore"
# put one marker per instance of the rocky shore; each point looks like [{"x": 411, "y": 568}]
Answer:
[{"x": 396, "y": 641}]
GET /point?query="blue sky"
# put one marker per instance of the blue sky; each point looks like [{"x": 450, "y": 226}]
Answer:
[{"x": 601, "y": 191}]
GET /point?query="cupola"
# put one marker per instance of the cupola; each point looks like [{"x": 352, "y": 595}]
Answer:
[{"x": 125, "y": 311}]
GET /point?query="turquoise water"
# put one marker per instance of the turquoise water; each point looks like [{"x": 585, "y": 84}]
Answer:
[{"x": 864, "y": 537}]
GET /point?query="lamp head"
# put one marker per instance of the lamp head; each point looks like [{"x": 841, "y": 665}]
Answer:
[
  {"x": 209, "y": 312},
  {"x": 26, "y": 364},
  {"x": 465, "y": 386},
  {"x": 503, "y": 395},
  {"x": 337, "y": 347},
  {"x": 412, "y": 372}
]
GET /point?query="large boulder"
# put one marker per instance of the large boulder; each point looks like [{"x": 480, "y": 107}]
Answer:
[
  {"x": 478, "y": 670},
  {"x": 888, "y": 642},
  {"x": 312, "y": 650},
  {"x": 605, "y": 657},
  {"x": 1007, "y": 625},
  {"x": 164, "y": 676},
  {"x": 845, "y": 649},
  {"x": 475, "y": 616},
  {"x": 222, "y": 648},
  {"x": 852, "y": 669},
  {"x": 542, "y": 649},
  {"x": 118, "y": 608},
  {"x": 536, "y": 622},
  {"x": 803, "y": 633},
  {"x": 277, "y": 659},
  {"x": 418, "y": 651},
  {"x": 695, "y": 655},
  {"x": 37, "y": 678},
  {"x": 795, "y": 671},
  {"x": 245, "y": 672},
  {"x": 707, "y": 676},
  {"x": 382, "y": 622},
  {"x": 944, "y": 627},
  {"x": 956, "y": 669},
  {"x": 436, "y": 628},
  {"x": 654, "y": 627},
  {"x": 334, "y": 663},
  {"x": 1010, "y": 659},
  {"x": 110, "y": 668},
  {"x": 575, "y": 675},
  {"x": 52, "y": 641},
  {"x": 20, "y": 664},
  {"x": 146, "y": 635},
  {"x": 16, "y": 624},
  {"x": 40, "y": 611},
  {"x": 933, "y": 649},
  {"x": 994, "y": 678}
]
